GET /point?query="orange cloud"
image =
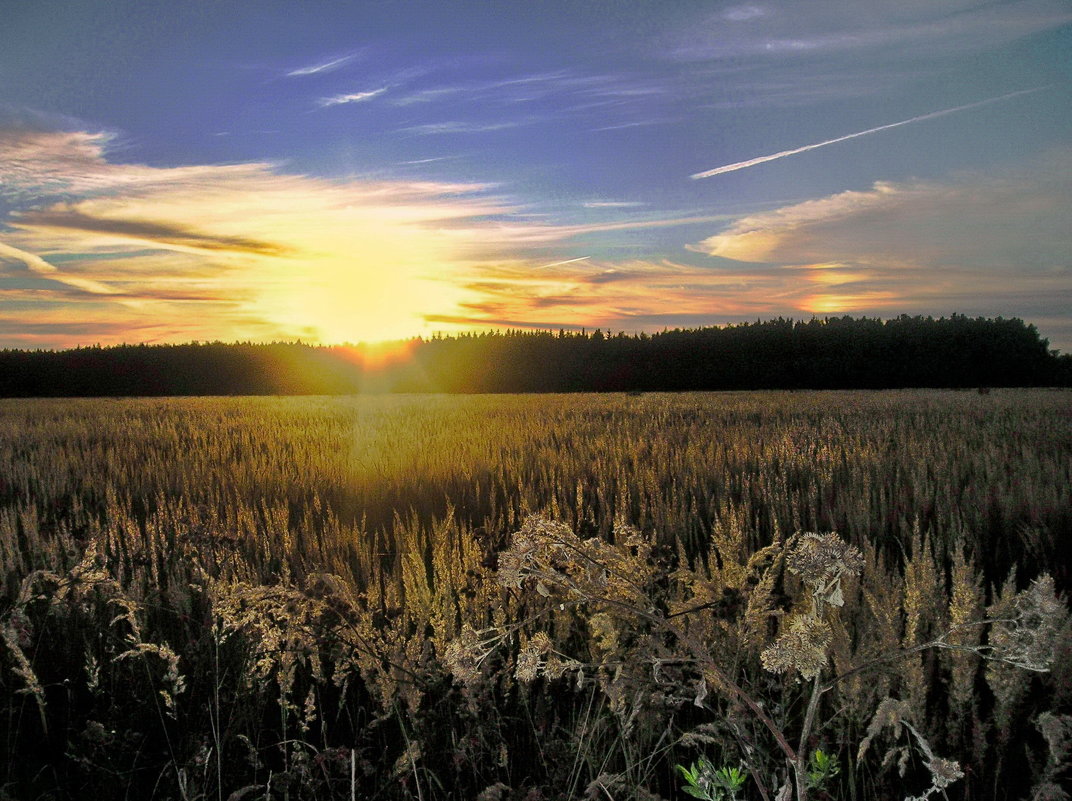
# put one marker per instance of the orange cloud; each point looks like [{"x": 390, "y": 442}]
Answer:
[
  {"x": 237, "y": 251},
  {"x": 106, "y": 252},
  {"x": 246, "y": 251},
  {"x": 979, "y": 244}
]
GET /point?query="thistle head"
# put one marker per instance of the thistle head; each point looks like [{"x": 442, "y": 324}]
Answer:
[{"x": 821, "y": 560}]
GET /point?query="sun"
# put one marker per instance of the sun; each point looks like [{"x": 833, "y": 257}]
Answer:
[
  {"x": 355, "y": 303},
  {"x": 363, "y": 286}
]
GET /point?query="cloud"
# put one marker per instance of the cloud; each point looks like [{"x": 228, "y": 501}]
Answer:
[
  {"x": 499, "y": 91},
  {"x": 40, "y": 267},
  {"x": 997, "y": 244},
  {"x": 586, "y": 292},
  {"x": 913, "y": 29},
  {"x": 455, "y": 127},
  {"x": 239, "y": 251},
  {"x": 652, "y": 295},
  {"x": 741, "y": 165},
  {"x": 1020, "y": 220},
  {"x": 247, "y": 251},
  {"x": 611, "y": 100},
  {"x": 101, "y": 251},
  {"x": 321, "y": 67},
  {"x": 428, "y": 95},
  {"x": 36, "y": 164},
  {"x": 146, "y": 232},
  {"x": 564, "y": 261},
  {"x": 988, "y": 245},
  {"x": 353, "y": 97},
  {"x": 636, "y": 124},
  {"x": 786, "y": 55}
]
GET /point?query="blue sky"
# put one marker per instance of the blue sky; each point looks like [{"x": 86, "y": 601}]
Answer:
[{"x": 369, "y": 170}]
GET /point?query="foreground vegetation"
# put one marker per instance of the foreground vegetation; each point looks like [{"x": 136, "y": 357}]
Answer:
[{"x": 536, "y": 597}]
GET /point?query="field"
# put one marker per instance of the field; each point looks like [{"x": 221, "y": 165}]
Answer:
[{"x": 307, "y": 597}]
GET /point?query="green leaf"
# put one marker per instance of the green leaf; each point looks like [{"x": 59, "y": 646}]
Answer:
[
  {"x": 731, "y": 778},
  {"x": 690, "y": 775}
]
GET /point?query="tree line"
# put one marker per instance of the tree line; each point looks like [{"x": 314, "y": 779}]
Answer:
[{"x": 821, "y": 353}]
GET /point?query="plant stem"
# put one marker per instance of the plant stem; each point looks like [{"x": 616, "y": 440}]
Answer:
[{"x": 800, "y": 766}]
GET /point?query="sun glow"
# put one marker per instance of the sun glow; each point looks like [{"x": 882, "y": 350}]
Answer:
[
  {"x": 822, "y": 303},
  {"x": 375, "y": 357},
  {"x": 363, "y": 273},
  {"x": 367, "y": 298},
  {"x": 244, "y": 251}
]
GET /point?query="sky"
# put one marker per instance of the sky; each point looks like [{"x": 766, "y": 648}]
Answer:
[{"x": 244, "y": 170}]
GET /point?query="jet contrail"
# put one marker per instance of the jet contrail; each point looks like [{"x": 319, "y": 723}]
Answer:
[
  {"x": 567, "y": 261},
  {"x": 740, "y": 165}
]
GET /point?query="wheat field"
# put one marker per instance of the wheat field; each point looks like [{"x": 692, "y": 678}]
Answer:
[{"x": 271, "y": 597}]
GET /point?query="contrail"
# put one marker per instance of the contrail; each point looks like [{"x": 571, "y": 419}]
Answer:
[
  {"x": 740, "y": 165},
  {"x": 567, "y": 261}
]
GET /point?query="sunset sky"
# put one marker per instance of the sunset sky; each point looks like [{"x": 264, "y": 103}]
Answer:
[{"x": 258, "y": 170}]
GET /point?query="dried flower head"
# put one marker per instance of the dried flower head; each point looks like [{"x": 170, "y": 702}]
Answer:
[
  {"x": 1026, "y": 630},
  {"x": 802, "y": 647},
  {"x": 821, "y": 558},
  {"x": 1057, "y": 731},
  {"x": 463, "y": 656},
  {"x": 494, "y": 792},
  {"x": 530, "y": 659},
  {"x": 537, "y": 545},
  {"x": 944, "y": 772}
]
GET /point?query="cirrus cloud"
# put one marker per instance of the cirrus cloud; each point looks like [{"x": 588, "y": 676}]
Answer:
[{"x": 996, "y": 245}]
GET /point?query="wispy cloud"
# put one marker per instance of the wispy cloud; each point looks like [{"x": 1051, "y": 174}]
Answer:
[
  {"x": 635, "y": 124},
  {"x": 44, "y": 269},
  {"x": 785, "y": 55},
  {"x": 352, "y": 97},
  {"x": 458, "y": 127},
  {"x": 431, "y": 160},
  {"x": 321, "y": 67},
  {"x": 824, "y": 27},
  {"x": 630, "y": 295},
  {"x": 627, "y": 225},
  {"x": 67, "y": 217},
  {"x": 40, "y": 164},
  {"x": 605, "y": 96},
  {"x": 742, "y": 165},
  {"x": 428, "y": 95},
  {"x": 227, "y": 251}
]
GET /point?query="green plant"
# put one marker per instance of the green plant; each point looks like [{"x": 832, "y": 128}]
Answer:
[
  {"x": 822, "y": 767},
  {"x": 704, "y": 781}
]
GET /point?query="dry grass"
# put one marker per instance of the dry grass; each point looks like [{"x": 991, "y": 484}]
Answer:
[{"x": 310, "y": 561}]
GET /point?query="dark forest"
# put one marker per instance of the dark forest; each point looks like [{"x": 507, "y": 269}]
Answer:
[{"x": 828, "y": 353}]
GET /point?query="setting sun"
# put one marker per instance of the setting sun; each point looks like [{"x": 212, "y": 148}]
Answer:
[
  {"x": 367, "y": 286},
  {"x": 349, "y": 173}
]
